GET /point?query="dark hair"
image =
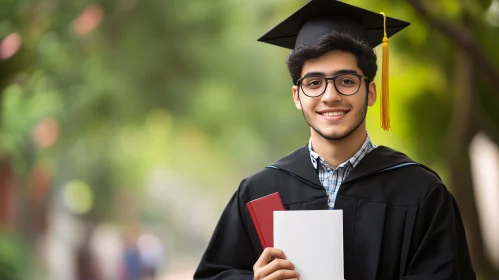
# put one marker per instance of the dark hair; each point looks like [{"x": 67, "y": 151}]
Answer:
[{"x": 366, "y": 58}]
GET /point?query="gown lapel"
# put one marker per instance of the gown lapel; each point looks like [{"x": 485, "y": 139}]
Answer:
[{"x": 299, "y": 164}]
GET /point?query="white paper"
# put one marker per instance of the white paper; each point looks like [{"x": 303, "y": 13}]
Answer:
[{"x": 313, "y": 241}]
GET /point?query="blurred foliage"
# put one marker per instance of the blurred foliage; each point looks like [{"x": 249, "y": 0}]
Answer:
[
  {"x": 11, "y": 258},
  {"x": 182, "y": 88}
]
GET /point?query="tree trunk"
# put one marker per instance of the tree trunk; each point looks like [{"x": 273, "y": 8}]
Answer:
[{"x": 6, "y": 193}]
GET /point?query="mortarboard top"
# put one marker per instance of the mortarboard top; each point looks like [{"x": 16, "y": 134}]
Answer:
[{"x": 319, "y": 17}]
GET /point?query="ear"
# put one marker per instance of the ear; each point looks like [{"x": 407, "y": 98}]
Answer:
[
  {"x": 371, "y": 94},
  {"x": 296, "y": 97}
]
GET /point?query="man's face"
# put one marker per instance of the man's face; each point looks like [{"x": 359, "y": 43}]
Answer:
[{"x": 333, "y": 116}]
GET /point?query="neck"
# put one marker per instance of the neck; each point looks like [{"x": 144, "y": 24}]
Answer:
[{"x": 335, "y": 152}]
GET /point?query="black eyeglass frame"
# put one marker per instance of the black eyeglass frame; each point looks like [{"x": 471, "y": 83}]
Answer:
[{"x": 299, "y": 83}]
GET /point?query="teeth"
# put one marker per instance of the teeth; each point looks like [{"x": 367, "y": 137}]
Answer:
[{"x": 331, "y": 114}]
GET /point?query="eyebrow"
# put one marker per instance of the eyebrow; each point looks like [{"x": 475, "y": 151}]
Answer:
[{"x": 338, "y": 72}]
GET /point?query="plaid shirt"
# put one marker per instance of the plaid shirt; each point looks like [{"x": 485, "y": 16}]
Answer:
[{"x": 331, "y": 178}]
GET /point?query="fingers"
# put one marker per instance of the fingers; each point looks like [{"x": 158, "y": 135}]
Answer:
[
  {"x": 277, "y": 269},
  {"x": 272, "y": 265},
  {"x": 283, "y": 274},
  {"x": 267, "y": 256}
]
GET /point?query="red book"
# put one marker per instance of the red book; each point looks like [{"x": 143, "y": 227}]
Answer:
[{"x": 262, "y": 213}]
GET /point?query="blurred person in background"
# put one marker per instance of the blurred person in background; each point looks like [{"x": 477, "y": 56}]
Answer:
[
  {"x": 132, "y": 262},
  {"x": 143, "y": 256},
  {"x": 152, "y": 256},
  {"x": 400, "y": 221}
]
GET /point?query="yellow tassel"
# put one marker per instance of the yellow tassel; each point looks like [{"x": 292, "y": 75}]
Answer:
[{"x": 385, "y": 98}]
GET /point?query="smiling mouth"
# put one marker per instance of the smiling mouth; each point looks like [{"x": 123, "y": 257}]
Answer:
[{"x": 334, "y": 114}]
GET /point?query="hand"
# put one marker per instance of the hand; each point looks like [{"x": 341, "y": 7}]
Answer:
[{"x": 272, "y": 265}]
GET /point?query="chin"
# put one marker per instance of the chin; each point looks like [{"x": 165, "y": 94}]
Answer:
[{"x": 335, "y": 135}]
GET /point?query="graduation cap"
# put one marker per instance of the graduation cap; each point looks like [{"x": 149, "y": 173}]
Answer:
[{"x": 320, "y": 17}]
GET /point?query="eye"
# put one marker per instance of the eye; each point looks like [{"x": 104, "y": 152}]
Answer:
[
  {"x": 348, "y": 82},
  {"x": 314, "y": 83}
]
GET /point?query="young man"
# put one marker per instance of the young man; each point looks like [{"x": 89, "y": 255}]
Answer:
[{"x": 400, "y": 222}]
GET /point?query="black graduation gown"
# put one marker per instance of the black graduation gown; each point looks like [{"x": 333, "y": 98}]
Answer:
[{"x": 400, "y": 222}]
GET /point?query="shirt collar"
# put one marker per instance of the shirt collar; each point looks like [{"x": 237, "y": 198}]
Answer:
[
  {"x": 313, "y": 155},
  {"x": 366, "y": 147}
]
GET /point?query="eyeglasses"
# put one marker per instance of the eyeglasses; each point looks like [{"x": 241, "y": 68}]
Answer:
[{"x": 345, "y": 84}]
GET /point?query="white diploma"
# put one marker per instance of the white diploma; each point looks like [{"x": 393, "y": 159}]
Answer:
[{"x": 313, "y": 241}]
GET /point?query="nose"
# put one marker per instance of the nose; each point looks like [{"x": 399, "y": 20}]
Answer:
[{"x": 331, "y": 94}]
